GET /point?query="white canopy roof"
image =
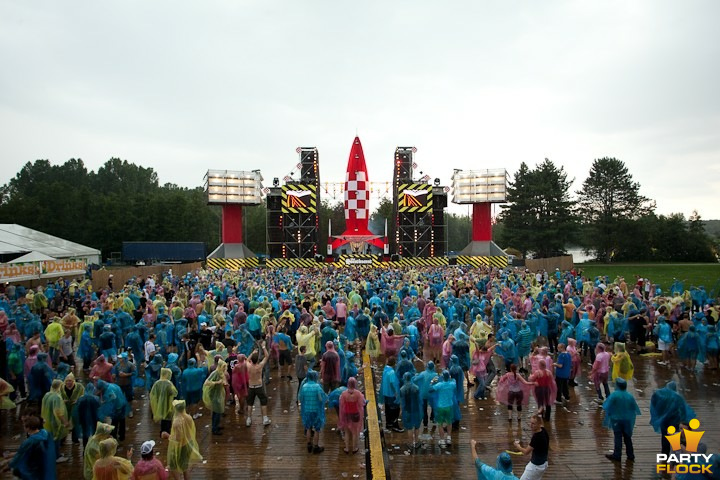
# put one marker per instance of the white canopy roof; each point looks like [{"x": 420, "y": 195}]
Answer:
[
  {"x": 32, "y": 257},
  {"x": 15, "y": 238}
]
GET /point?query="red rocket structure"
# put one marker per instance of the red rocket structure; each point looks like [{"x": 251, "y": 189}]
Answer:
[{"x": 357, "y": 203}]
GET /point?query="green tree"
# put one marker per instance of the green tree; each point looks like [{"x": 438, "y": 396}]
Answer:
[
  {"x": 382, "y": 212},
  {"x": 539, "y": 216},
  {"x": 458, "y": 231},
  {"x": 336, "y": 214},
  {"x": 517, "y": 216},
  {"x": 608, "y": 199},
  {"x": 121, "y": 202}
]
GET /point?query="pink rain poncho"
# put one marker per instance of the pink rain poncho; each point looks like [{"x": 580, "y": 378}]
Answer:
[{"x": 352, "y": 408}]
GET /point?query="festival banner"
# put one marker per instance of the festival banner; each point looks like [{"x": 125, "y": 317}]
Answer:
[
  {"x": 17, "y": 272},
  {"x": 66, "y": 266}
]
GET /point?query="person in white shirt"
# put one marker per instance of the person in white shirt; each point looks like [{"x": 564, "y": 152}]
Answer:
[{"x": 150, "y": 348}]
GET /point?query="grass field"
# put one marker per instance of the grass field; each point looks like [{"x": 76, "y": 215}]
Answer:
[{"x": 707, "y": 274}]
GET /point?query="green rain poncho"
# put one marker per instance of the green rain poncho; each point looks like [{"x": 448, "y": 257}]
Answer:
[
  {"x": 77, "y": 392},
  {"x": 91, "y": 453},
  {"x": 214, "y": 389},
  {"x": 54, "y": 412},
  {"x": 183, "y": 449},
  {"x": 162, "y": 395}
]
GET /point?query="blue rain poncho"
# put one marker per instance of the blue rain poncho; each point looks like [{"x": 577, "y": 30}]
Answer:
[
  {"x": 175, "y": 369},
  {"x": 423, "y": 379},
  {"x": 502, "y": 470},
  {"x": 350, "y": 331},
  {"x": 134, "y": 343},
  {"x": 334, "y": 397},
  {"x": 61, "y": 371},
  {"x": 506, "y": 349},
  {"x": 25, "y": 464},
  {"x": 667, "y": 407},
  {"x": 85, "y": 350},
  {"x": 312, "y": 403},
  {"x": 620, "y": 405},
  {"x": 245, "y": 340},
  {"x": 445, "y": 397},
  {"x": 389, "y": 385},
  {"x": 192, "y": 382},
  {"x": 113, "y": 403},
  {"x": 712, "y": 340},
  {"x": 404, "y": 365},
  {"x": 663, "y": 330},
  {"x": 461, "y": 349},
  {"x": 525, "y": 338},
  {"x": 40, "y": 378},
  {"x": 583, "y": 335},
  {"x": 457, "y": 374},
  {"x": 410, "y": 403},
  {"x": 567, "y": 332},
  {"x": 690, "y": 346},
  {"x": 350, "y": 369},
  {"x": 86, "y": 413},
  {"x": 152, "y": 371}
]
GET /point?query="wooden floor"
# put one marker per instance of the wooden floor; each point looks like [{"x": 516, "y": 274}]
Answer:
[{"x": 578, "y": 441}]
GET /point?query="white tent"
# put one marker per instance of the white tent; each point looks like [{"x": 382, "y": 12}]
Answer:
[
  {"x": 41, "y": 255},
  {"x": 32, "y": 257},
  {"x": 15, "y": 238}
]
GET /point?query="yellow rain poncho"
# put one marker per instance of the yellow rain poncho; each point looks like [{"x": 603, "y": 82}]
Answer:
[
  {"x": 110, "y": 467},
  {"x": 622, "y": 365},
  {"x": 219, "y": 350},
  {"x": 54, "y": 413},
  {"x": 306, "y": 338},
  {"x": 440, "y": 319},
  {"x": 162, "y": 394},
  {"x": 91, "y": 453},
  {"x": 183, "y": 451},
  {"x": 479, "y": 332},
  {"x": 5, "y": 390},
  {"x": 54, "y": 332},
  {"x": 373, "y": 342},
  {"x": 77, "y": 392},
  {"x": 214, "y": 389}
]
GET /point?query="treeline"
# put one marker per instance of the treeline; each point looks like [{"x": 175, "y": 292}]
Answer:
[
  {"x": 120, "y": 202},
  {"x": 125, "y": 202},
  {"x": 607, "y": 217}
]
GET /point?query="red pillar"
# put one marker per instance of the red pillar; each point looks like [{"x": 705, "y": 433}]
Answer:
[
  {"x": 481, "y": 222},
  {"x": 232, "y": 224}
]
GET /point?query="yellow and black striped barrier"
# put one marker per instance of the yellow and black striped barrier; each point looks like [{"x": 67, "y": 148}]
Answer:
[
  {"x": 356, "y": 261},
  {"x": 375, "y": 440},
  {"x": 422, "y": 262},
  {"x": 232, "y": 263},
  {"x": 479, "y": 262},
  {"x": 292, "y": 263}
]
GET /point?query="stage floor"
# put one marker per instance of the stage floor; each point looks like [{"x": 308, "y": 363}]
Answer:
[{"x": 578, "y": 440}]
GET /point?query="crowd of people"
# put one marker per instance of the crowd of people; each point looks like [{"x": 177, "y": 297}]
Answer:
[{"x": 74, "y": 359}]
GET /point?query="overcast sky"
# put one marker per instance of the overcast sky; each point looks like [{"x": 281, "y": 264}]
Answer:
[{"x": 184, "y": 86}]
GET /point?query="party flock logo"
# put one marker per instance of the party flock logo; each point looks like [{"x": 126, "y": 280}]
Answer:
[{"x": 688, "y": 462}]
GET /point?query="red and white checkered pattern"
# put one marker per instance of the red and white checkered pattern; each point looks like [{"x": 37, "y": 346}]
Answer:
[{"x": 356, "y": 196}]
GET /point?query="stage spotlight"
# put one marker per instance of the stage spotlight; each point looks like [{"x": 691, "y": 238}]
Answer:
[
  {"x": 276, "y": 182},
  {"x": 436, "y": 182}
]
